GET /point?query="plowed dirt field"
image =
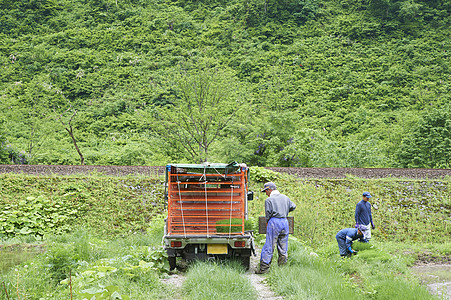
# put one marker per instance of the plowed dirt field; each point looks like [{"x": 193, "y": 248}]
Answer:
[{"x": 299, "y": 172}]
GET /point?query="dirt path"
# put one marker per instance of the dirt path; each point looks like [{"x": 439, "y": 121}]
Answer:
[
  {"x": 264, "y": 292},
  {"x": 175, "y": 282},
  {"x": 258, "y": 281}
]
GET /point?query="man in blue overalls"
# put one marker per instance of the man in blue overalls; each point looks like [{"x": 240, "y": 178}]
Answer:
[
  {"x": 277, "y": 207},
  {"x": 346, "y": 236}
]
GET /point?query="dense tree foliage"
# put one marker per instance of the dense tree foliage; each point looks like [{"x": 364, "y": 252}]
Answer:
[
  {"x": 337, "y": 83},
  {"x": 429, "y": 143},
  {"x": 3, "y": 151}
]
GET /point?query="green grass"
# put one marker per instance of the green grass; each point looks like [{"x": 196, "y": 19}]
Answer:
[
  {"x": 370, "y": 252},
  {"x": 394, "y": 288},
  {"x": 210, "y": 280},
  {"x": 113, "y": 245},
  {"x": 307, "y": 276},
  {"x": 372, "y": 274},
  {"x": 381, "y": 274}
]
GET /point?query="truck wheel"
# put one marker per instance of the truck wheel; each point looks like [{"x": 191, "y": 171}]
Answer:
[
  {"x": 172, "y": 262},
  {"x": 246, "y": 262}
]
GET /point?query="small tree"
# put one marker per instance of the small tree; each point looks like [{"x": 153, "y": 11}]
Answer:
[
  {"x": 68, "y": 126},
  {"x": 206, "y": 100}
]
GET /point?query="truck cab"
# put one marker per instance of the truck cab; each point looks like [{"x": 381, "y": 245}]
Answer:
[{"x": 207, "y": 209}]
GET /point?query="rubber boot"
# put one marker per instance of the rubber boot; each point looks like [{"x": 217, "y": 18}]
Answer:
[
  {"x": 282, "y": 260},
  {"x": 264, "y": 268}
]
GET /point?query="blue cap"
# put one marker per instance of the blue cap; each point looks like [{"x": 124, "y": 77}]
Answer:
[
  {"x": 367, "y": 194},
  {"x": 269, "y": 185}
]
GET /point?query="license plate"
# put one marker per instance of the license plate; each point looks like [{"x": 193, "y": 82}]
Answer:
[{"x": 217, "y": 249}]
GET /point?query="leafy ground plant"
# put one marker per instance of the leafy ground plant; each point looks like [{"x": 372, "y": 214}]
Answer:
[
  {"x": 107, "y": 205},
  {"x": 91, "y": 268},
  {"x": 37, "y": 216}
]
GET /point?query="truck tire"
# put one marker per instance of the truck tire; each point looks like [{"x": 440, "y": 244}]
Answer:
[
  {"x": 246, "y": 262},
  {"x": 172, "y": 262}
]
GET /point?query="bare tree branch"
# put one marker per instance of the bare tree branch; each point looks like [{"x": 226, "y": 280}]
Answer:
[
  {"x": 70, "y": 130},
  {"x": 207, "y": 103}
]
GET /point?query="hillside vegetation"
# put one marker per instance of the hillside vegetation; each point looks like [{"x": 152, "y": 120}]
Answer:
[{"x": 336, "y": 83}]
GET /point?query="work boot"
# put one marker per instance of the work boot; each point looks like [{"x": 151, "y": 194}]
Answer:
[
  {"x": 264, "y": 268},
  {"x": 282, "y": 260}
]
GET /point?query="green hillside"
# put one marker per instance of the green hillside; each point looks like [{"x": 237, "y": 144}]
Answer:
[{"x": 307, "y": 83}]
